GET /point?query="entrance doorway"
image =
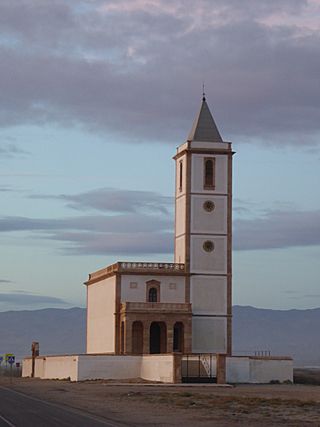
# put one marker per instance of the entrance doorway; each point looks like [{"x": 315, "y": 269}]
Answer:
[
  {"x": 137, "y": 337},
  {"x": 178, "y": 337},
  {"x": 158, "y": 338}
]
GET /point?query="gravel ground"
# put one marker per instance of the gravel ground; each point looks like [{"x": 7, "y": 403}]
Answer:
[{"x": 144, "y": 404}]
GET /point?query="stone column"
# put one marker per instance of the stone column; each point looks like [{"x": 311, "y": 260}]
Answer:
[
  {"x": 146, "y": 337},
  {"x": 177, "y": 376},
  {"x": 221, "y": 368},
  {"x": 188, "y": 335},
  {"x": 127, "y": 336},
  {"x": 170, "y": 325}
]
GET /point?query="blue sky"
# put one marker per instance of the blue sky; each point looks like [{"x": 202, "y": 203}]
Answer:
[{"x": 96, "y": 96}]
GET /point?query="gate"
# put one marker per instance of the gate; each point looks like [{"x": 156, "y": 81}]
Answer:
[{"x": 198, "y": 368}]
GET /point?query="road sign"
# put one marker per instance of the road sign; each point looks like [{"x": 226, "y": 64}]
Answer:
[
  {"x": 7, "y": 355},
  {"x": 1, "y": 359},
  {"x": 11, "y": 359}
]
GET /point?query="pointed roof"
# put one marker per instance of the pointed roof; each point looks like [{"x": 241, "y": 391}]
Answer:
[{"x": 204, "y": 127}]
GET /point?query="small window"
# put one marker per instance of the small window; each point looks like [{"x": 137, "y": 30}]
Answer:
[
  {"x": 180, "y": 175},
  {"x": 209, "y": 172},
  {"x": 208, "y": 206},
  {"x": 208, "y": 246},
  {"x": 153, "y": 295}
]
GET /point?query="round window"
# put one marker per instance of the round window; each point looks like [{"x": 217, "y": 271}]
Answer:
[
  {"x": 208, "y": 246},
  {"x": 208, "y": 206}
]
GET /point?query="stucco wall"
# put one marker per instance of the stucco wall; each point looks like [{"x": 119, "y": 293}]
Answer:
[
  {"x": 258, "y": 370},
  {"x": 172, "y": 288},
  {"x": 100, "y": 316},
  {"x": 26, "y": 367},
  {"x": 52, "y": 367},
  {"x": 157, "y": 368},
  {"x": 221, "y": 169},
  {"x": 208, "y": 294},
  {"x": 85, "y": 367},
  {"x": 153, "y": 368},
  {"x": 180, "y": 214},
  {"x": 202, "y": 220},
  {"x": 180, "y": 249},
  {"x": 237, "y": 370},
  {"x": 61, "y": 367},
  {"x": 208, "y": 262},
  {"x": 209, "y": 334},
  {"x": 108, "y": 367},
  {"x": 266, "y": 370}
]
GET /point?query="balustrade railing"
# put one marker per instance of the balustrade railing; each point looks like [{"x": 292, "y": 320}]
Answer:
[{"x": 153, "y": 267}]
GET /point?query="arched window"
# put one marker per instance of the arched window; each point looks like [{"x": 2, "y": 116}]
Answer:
[
  {"x": 153, "y": 295},
  {"x": 180, "y": 175},
  {"x": 153, "y": 291},
  {"x": 209, "y": 172}
]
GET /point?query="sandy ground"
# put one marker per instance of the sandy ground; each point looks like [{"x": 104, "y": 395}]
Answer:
[{"x": 160, "y": 405}]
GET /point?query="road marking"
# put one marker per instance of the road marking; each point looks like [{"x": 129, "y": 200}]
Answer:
[
  {"x": 63, "y": 407},
  {"x": 6, "y": 421}
]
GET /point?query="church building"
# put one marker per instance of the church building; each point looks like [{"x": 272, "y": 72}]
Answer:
[
  {"x": 171, "y": 321},
  {"x": 184, "y": 306}
]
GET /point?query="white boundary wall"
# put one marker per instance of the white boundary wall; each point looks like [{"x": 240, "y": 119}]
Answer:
[
  {"x": 158, "y": 368},
  {"x": 242, "y": 369},
  {"x": 258, "y": 370},
  {"x": 86, "y": 367}
]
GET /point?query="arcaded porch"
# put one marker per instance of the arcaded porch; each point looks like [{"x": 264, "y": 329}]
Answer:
[{"x": 154, "y": 328}]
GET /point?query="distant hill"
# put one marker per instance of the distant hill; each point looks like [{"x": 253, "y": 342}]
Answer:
[
  {"x": 58, "y": 331},
  {"x": 62, "y": 331},
  {"x": 294, "y": 333}
]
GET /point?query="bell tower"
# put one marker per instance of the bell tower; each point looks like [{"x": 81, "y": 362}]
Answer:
[{"x": 203, "y": 231}]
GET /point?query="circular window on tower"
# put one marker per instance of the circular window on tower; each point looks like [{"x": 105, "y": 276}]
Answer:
[
  {"x": 208, "y": 246},
  {"x": 208, "y": 206}
]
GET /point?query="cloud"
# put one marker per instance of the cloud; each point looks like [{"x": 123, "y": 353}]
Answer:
[
  {"x": 5, "y": 281},
  {"x": 11, "y": 150},
  {"x": 103, "y": 224},
  {"x": 278, "y": 229},
  {"x": 134, "y": 222},
  {"x": 115, "y": 200},
  {"x": 21, "y": 299},
  {"x": 138, "y": 233},
  {"x": 311, "y": 296},
  {"x": 116, "y": 234},
  {"x": 135, "y": 68},
  {"x": 129, "y": 244}
]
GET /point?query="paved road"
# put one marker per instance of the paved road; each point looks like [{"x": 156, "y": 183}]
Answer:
[{"x": 20, "y": 410}]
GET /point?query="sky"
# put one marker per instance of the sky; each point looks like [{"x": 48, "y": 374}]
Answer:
[{"x": 95, "y": 97}]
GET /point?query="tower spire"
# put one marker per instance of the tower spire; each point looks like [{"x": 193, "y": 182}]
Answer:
[{"x": 204, "y": 127}]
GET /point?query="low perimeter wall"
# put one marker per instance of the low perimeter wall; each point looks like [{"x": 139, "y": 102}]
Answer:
[
  {"x": 164, "y": 368},
  {"x": 259, "y": 370},
  {"x": 161, "y": 367}
]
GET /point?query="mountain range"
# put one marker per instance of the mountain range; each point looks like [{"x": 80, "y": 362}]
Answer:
[{"x": 62, "y": 331}]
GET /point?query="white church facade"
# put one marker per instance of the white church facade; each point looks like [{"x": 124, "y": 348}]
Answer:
[{"x": 185, "y": 306}]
